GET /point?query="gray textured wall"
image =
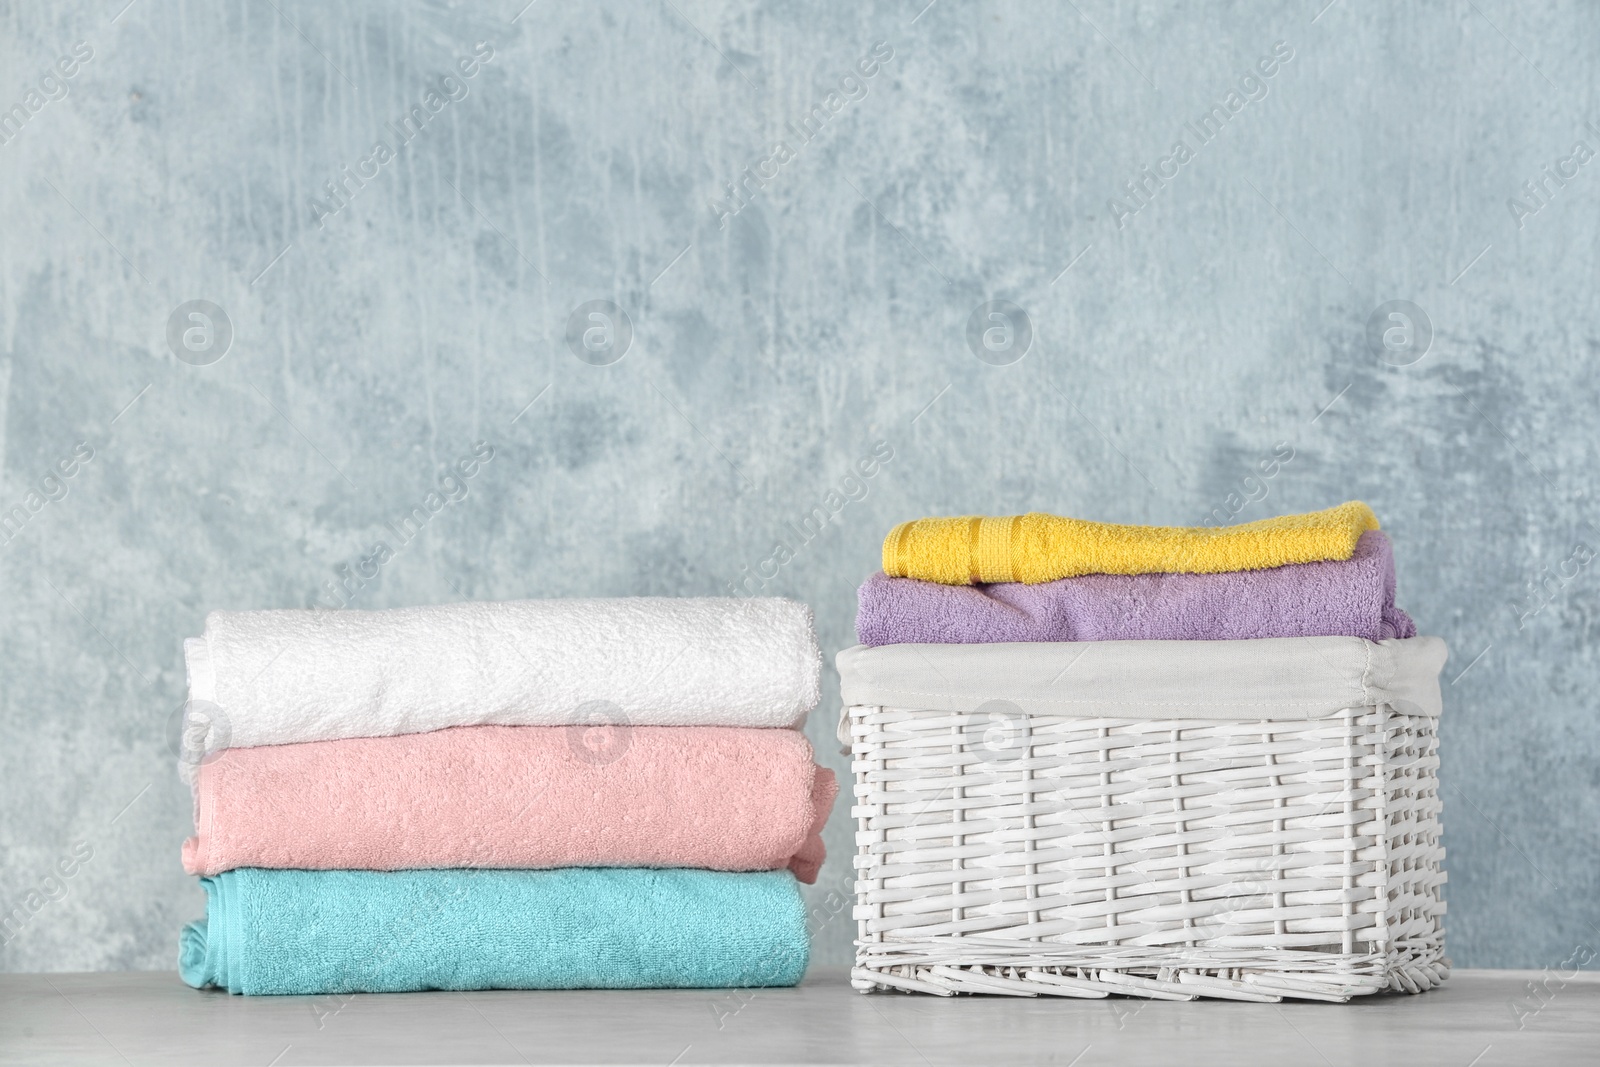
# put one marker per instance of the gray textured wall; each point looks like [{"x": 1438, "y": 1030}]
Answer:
[{"x": 1175, "y": 343}]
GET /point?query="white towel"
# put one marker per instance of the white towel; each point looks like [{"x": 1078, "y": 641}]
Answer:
[
  {"x": 278, "y": 677},
  {"x": 1269, "y": 678}
]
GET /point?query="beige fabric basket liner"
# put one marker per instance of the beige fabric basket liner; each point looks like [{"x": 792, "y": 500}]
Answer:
[{"x": 1273, "y": 678}]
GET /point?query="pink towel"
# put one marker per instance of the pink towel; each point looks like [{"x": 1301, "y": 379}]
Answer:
[{"x": 719, "y": 797}]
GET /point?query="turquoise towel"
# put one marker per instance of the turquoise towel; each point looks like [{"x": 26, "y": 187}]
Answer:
[{"x": 287, "y": 931}]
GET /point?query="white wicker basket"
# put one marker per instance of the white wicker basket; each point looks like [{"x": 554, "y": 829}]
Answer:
[{"x": 1250, "y": 820}]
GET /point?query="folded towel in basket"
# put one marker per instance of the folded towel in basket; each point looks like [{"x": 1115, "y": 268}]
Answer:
[
  {"x": 277, "y": 677},
  {"x": 717, "y": 797},
  {"x": 1349, "y": 598},
  {"x": 311, "y": 932},
  {"x": 1042, "y": 548}
]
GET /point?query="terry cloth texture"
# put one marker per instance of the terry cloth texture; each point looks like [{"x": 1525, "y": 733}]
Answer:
[
  {"x": 1274, "y": 678},
  {"x": 278, "y": 677},
  {"x": 1341, "y": 598},
  {"x": 311, "y": 932},
  {"x": 1042, "y": 548},
  {"x": 717, "y": 797}
]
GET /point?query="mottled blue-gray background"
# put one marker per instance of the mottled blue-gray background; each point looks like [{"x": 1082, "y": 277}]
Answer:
[{"x": 374, "y": 344}]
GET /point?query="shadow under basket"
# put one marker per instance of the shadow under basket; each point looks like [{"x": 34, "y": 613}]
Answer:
[{"x": 1249, "y": 820}]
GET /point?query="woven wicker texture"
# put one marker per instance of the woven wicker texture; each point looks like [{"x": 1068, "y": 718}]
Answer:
[{"x": 1000, "y": 852}]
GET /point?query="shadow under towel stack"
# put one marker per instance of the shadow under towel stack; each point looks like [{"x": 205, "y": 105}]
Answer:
[
  {"x": 523, "y": 795},
  {"x": 1094, "y": 759}
]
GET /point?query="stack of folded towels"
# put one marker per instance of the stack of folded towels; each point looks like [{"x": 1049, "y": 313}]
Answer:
[
  {"x": 1045, "y": 578},
  {"x": 520, "y": 795}
]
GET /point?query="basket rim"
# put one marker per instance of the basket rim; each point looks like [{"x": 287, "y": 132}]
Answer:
[{"x": 1267, "y": 679}]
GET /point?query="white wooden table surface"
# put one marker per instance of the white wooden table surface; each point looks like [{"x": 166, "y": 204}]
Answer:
[{"x": 1479, "y": 1019}]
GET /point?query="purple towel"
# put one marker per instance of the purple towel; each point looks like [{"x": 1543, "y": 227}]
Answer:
[{"x": 1341, "y": 598}]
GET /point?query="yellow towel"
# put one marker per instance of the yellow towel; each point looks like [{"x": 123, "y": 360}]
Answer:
[{"x": 1041, "y": 548}]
